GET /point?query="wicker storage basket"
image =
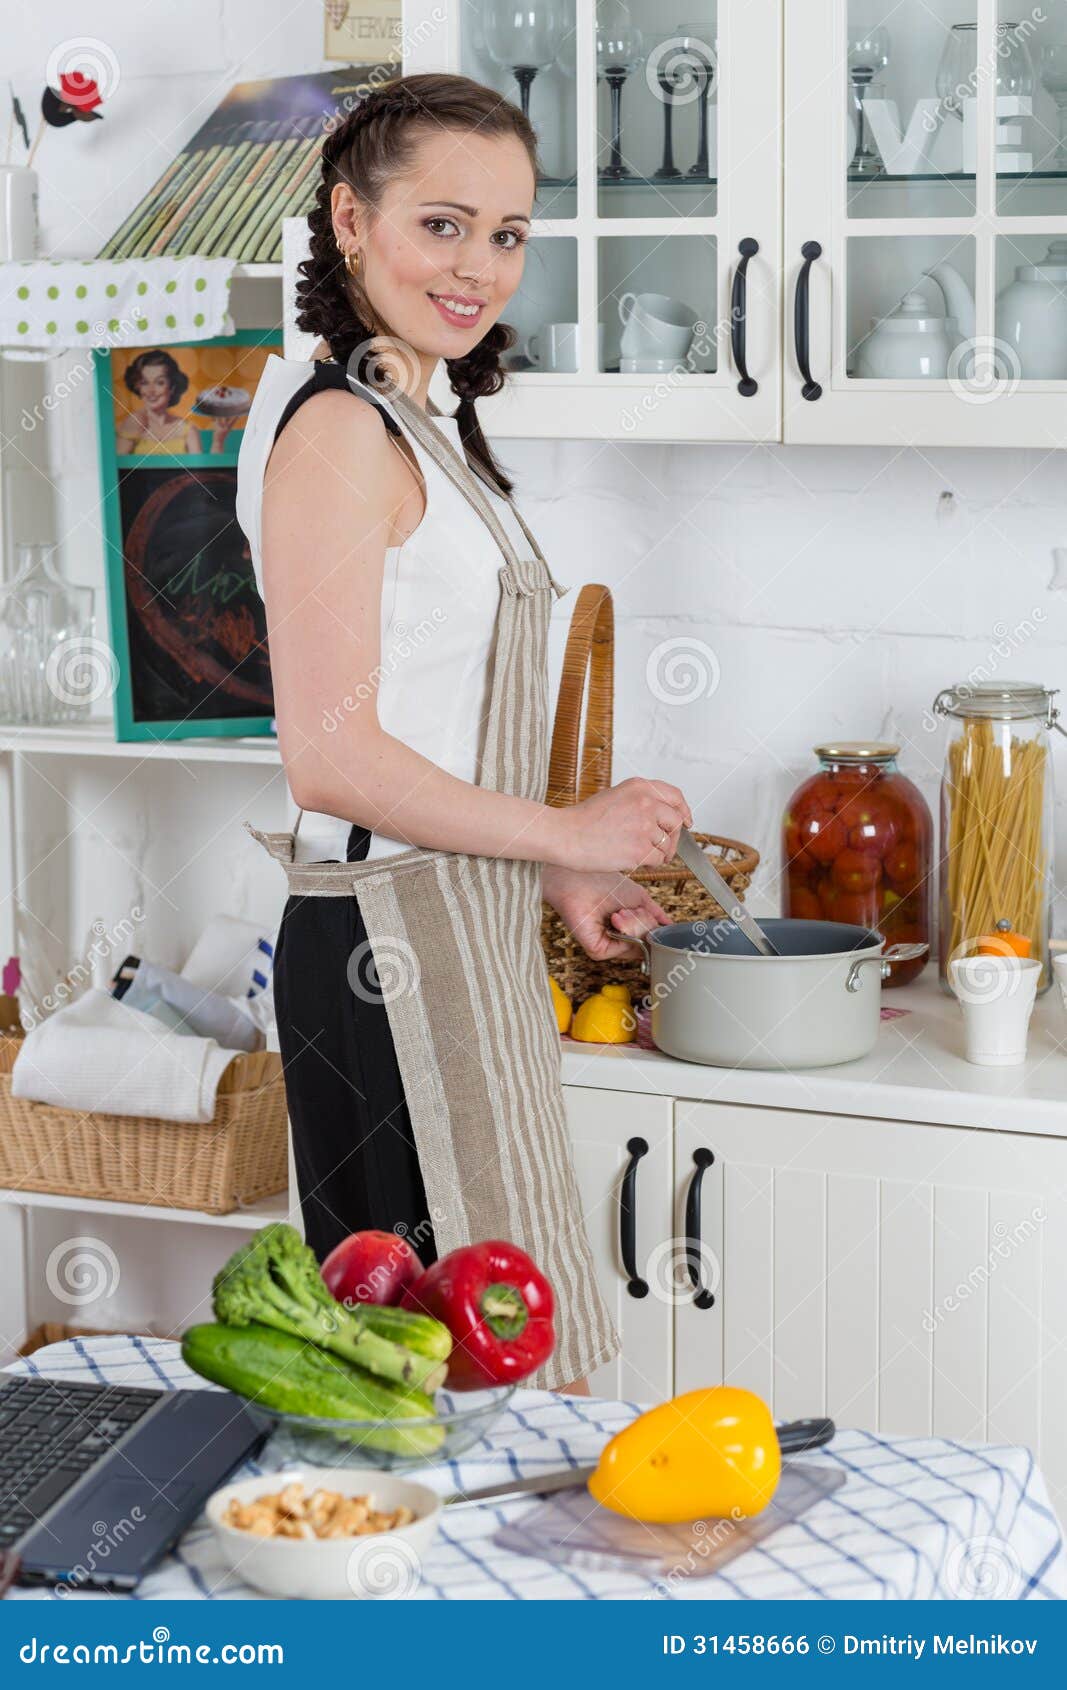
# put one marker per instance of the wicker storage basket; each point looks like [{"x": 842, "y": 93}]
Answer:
[
  {"x": 579, "y": 765},
  {"x": 236, "y": 1158}
]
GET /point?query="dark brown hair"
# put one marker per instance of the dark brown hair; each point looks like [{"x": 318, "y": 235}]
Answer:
[
  {"x": 176, "y": 376},
  {"x": 372, "y": 143}
]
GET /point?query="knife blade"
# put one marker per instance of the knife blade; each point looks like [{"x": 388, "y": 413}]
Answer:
[{"x": 712, "y": 881}]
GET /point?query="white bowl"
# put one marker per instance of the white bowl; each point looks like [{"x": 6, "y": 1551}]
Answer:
[{"x": 379, "y": 1564}]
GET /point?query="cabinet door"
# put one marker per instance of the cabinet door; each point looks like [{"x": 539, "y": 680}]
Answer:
[
  {"x": 660, "y": 156},
  {"x": 608, "y": 1130},
  {"x": 906, "y": 1279},
  {"x": 922, "y": 136}
]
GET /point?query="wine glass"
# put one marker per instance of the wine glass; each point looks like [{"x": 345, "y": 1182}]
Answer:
[
  {"x": 1053, "y": 66},
  {"x": 524, "y": 38},
  {"x": 618, "y": 54},
  {"x": 868, "y": 56},
  {"x": 695, "y": 78}
]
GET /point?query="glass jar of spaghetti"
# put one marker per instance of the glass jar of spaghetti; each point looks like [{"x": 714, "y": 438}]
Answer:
[
  {"x": 996, "y": 820},
  {"x": 858, "y": 845}
]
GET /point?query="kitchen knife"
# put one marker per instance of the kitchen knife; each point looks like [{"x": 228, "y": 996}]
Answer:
[
  {"x": 793, "y": 1437},
  {"x": 712, "y": 881}
]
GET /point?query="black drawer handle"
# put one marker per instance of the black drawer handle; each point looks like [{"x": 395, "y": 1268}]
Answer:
[
  {"x": 703, "y": 1298},
  {"x": 636, "y": 1286},
  {"x": 810, "y": 251},
  {"x": 748, "y": 248}
]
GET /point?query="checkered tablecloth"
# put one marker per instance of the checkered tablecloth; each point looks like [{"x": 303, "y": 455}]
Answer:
[{"x": 915, "y": 1518}]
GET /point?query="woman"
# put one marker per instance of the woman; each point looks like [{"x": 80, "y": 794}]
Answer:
[
  {"x": 407, "y": 610},
  {"x": 154, "y": 428}
]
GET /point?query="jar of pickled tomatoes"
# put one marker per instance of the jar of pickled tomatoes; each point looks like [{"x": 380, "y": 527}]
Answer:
[{"x": 858, "y": 846}]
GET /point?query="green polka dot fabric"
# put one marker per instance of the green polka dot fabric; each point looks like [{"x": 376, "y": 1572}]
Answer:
[{"x": 58, "y": 303}]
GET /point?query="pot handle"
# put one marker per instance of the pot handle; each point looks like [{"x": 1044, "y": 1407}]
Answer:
[
  {"x": 895, "y": 953},
  {"x": 635, "y": 1285}
]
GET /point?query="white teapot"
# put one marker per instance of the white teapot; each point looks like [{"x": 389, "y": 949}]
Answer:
[
  {"x": 910, "y": 342},
  {"x": 1031, "y": 312}
]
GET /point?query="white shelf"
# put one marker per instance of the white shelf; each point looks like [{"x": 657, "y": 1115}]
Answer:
[
  {"x": 246, "y": 1220},
  {"x": 259, "y": 272},
  {"x": 97, "y": 739}
]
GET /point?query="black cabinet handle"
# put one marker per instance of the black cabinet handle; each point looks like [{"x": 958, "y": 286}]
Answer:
[
  {"x": 636, "y": 1286},
  {"x": 748, "y": 248},
  {"x": 810, "y": 251},
  {"x": 703, "y": 1298}
]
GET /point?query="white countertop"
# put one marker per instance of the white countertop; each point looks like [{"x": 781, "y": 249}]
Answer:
[{"x": 916, "y": 1072}]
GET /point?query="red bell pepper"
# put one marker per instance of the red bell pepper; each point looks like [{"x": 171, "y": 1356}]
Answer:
[{"x": 498, "y": 1307}]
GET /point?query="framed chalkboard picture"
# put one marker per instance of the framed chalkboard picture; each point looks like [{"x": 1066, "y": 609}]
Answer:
[{"x": 187, "y": 624}]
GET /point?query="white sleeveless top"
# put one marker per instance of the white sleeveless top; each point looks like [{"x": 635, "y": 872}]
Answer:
[{"x": 440, "y": 595}]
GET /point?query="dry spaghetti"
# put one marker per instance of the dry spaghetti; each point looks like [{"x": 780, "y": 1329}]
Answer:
[{"x": 997, "y": 856}]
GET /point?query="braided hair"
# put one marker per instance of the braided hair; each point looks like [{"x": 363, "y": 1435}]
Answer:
[{"x": 370, "y": 144}]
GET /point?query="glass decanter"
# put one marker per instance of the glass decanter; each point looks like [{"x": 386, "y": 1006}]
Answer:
[{"x": 50, "y": 661}]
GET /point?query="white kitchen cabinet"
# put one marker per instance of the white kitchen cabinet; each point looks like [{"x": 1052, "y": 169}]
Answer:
[
  {"x": 901, "y": 1277},
  {"x": 782, "y": 172},
  {"x": 608, "y": 1130},
  {"x": 600, "y": 234},
  {"x": 982, "y": 215}
]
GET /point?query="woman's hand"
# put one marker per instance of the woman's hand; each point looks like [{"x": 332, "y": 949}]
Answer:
[
  {"x": 632, "y": 825},
  {"x": 600, "y": 908}
]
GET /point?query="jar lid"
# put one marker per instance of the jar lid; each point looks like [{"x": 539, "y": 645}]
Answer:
[
  {"x": 997, "y": 701},
  {"x": 857, "y": 751}
]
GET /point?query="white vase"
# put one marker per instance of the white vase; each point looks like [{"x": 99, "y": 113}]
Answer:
[{"x": 18, "y": 212}]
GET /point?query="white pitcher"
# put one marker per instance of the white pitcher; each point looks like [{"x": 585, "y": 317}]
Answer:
[
  {"x": 912, "y": 341},
  {"x": 1031, "y": 312}
]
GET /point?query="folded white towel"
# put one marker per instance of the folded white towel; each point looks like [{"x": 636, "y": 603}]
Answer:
[{"x": 102, "y": 1057}]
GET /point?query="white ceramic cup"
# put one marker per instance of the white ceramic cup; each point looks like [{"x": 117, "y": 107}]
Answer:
[
  {"x": 555, "y": 347},
  {"x": 996, "y": 995},
  {"x": 655, "y": 326}
]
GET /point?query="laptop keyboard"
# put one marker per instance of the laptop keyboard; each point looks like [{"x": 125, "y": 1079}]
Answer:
[{"x": 50, "y": 1435}]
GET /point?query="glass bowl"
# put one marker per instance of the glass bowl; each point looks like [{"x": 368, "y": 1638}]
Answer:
[{"x": 462, "y": 1419}]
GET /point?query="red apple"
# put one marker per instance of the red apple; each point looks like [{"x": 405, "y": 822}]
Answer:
[{"x": 371, "y": 1267}]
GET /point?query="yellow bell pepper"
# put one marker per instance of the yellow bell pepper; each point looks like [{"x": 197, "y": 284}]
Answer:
[
  {"x": 712, "y": 1452},
  {"x": 562, "y": 1005},
  {"x": 607, "y": 1018}
]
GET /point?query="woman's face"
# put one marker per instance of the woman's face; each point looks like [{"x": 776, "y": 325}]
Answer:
[
  {"x": 154, "y": 386},
  {"x": 443, "y": 253}
]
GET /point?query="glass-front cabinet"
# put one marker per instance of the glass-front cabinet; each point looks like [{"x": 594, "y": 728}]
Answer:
[
  {"x": 650, "y": 304},
  {"x": 926, "y": 222}
]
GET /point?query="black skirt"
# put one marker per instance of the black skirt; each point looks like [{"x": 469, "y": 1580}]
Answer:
[{"x": 356, "y": 1162}]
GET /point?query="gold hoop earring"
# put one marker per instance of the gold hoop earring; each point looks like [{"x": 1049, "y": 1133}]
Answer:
[{"x": 352, "y": 263}]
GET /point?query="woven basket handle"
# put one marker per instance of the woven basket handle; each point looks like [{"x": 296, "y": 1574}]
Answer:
[{"x": 590, "y": 652}]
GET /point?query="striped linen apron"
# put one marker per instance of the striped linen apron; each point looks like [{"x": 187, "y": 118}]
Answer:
[{"x": 471, "y": 1015}]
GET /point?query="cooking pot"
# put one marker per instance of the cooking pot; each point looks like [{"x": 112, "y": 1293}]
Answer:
[{"x": 716, "y": 1000}]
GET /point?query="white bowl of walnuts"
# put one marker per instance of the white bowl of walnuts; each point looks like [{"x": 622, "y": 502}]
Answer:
[{"x": 326, "y": 1532}]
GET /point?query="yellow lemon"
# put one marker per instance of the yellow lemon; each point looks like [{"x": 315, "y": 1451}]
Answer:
[
  {"x": 607, "y": 1018},
  {"x": 562, "y": 1005}
]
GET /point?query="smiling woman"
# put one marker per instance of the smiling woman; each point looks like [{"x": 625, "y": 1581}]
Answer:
[{"x": 421, "y": 1053}]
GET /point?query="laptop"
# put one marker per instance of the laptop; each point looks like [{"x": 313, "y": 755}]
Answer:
[{"x": 98, "y": 1481}]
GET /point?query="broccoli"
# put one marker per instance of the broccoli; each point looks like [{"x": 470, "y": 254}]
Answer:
[{"x": 274, "y": 1280}]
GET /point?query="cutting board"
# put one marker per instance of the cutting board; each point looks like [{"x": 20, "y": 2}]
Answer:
[{"x": 570, "y": 1528}]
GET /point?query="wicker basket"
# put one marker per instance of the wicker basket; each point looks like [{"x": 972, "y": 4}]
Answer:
[
  {"x": 579, "y": 766},
  {"x": 236, "y": 1158}
]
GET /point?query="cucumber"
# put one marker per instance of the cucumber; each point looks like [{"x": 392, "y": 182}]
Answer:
[
  {"x": 419, "y": 1332},
  {"x": 279, "y": 1371}
]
